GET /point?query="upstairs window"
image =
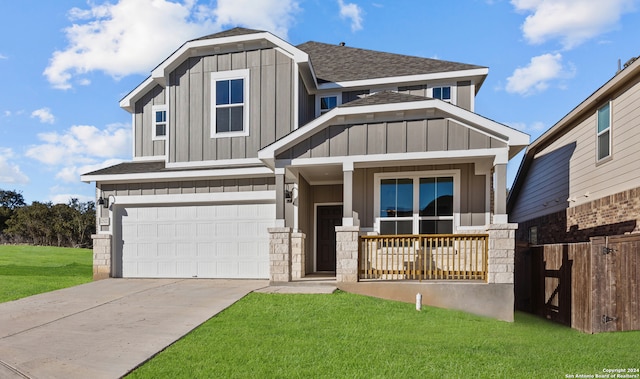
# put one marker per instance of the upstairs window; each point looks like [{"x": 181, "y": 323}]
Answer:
[
  {"x": 326, "y": 103},
  {"x": 604, "y": 132},
  {"x": 442, "y": 93},
  {"x": 159, "y": 121},
  {"x": 230, "y": 111}
]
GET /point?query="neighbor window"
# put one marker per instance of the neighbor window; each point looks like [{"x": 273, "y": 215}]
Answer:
[
  {"x": 229, "y": 110},
  {"x": 442, "y": 93},
  {"x": 416, "y": 204},
  {"x": 159, "y": 121},
  {"x": 604, "y": 132}
]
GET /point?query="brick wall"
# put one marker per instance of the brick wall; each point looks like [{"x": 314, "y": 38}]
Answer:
[{"x": 610, "y": 215}]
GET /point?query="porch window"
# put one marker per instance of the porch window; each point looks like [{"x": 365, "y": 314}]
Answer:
[{"x": 416, "y": 205}]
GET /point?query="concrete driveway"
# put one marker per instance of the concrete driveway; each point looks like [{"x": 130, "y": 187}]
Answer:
[{"x": 106, "y": 328}]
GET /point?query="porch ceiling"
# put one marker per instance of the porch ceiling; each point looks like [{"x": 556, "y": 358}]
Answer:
[{"x": 321, "y": 174}]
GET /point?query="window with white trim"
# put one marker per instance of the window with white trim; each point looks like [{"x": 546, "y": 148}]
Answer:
[
  {"x": 159, "y": 122},
  {"x": 418, "y": 203},
  {"x": 325, "y": 103},
  {"x": 230, "y": 111},
  {"x": 604, "y": 132},
  {"x": 442, "y": 93}
]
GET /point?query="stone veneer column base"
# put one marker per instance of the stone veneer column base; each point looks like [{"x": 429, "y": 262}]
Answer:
[
  {"x": 297, "y": 255},
  {"x": 280, "y": 254},
  {"x": 501, "y": 260},
  {"x": 101, "y": 256},
  {"x": 347, "y": 254}
]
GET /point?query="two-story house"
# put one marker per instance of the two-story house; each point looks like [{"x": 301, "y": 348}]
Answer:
[{"x": 254, "y": 158}]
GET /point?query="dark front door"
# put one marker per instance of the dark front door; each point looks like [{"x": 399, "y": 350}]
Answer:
[{"x": 329, "y": 216}]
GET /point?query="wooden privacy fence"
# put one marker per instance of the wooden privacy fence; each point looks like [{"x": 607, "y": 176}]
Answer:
[
  {"x": 418, "y": 257},
  {"x": 591, "y": 286}
]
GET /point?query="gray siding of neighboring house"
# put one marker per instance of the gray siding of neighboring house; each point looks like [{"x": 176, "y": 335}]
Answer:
[
  {"x": 390, "y": 137},
  {"x": 145, "y": 146},
  {"x": 567, "y": 168},
  {"x": 270, "y": 100}
]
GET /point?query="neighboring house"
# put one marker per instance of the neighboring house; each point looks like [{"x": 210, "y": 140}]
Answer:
[
  {"x": 581, "y": 178},
  {"x": 254, "y": 158}
]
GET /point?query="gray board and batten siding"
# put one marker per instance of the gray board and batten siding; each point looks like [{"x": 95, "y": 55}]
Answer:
[
  {"x": 145, "y": 145},
  {"x": 270, "y": 79},
  {"x": 390, "y": 137}
]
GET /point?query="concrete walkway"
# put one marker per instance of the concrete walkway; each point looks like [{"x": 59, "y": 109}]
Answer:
[{"x": 105, "y": 329}]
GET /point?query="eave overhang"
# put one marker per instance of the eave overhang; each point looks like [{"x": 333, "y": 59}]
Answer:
[{"x": 430, "y": 108}]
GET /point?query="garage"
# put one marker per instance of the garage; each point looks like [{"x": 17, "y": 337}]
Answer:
[{"x": 193, "y": 241}]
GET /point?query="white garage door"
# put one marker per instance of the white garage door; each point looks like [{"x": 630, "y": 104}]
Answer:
[{"x": 203, "y": 241}]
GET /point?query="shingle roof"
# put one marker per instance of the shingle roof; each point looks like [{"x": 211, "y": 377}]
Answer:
[
  {"x": 334, "y": 63},
  {"x": 384, "y": 97},
  {"x": 229, "y": 33},
  {"x": 130, "y": 168}
]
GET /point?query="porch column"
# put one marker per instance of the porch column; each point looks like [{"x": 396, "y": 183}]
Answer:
[
  {"x": 101, "y": 256},
  {"x": 347, "y": 253},
  {"x": 279, "y": 254},
  {"x": 501, "y": 260},
  {"x": 500, "y": 194},
  {"x": 347, "y": 194},
  {"x": 297, "y": 255},
  {"x": 280, "y": 198}
]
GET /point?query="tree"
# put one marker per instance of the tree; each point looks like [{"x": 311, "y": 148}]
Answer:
[
  {"x": 9, "y": 201},
  {"x": 46, "y": 224}
]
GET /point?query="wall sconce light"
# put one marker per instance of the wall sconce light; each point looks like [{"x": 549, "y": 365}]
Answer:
[
  {"x": 288, "y": 193},
  {"x": 105, "y": 201}
]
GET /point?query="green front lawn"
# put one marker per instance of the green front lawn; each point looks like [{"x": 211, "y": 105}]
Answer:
[
  {"x": 351, "y": 336},
  {"x": 30, "y": 270}
]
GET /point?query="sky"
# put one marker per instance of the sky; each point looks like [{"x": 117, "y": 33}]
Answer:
[{"x": 66, "y": 64}]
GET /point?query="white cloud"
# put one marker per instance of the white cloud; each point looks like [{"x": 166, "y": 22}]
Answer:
[
  {"x": 44, "y": 114},
  {"x": 275, "y": 16},
  {"x": 571, "y": 21},
  {"x": 72, "y": 173},
  {"x": 534, "y": 128},
  {"x": 536, "y": 76},
  {"x": 2, "y": 56},
  {"x": 80, "y": 147},
  {"x": 10, "y": 173},
  {"x": 132, "y": 36},
  {"x": 353, "y": 12}
]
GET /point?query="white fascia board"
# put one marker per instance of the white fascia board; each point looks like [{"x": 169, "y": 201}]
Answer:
[
  {"x": 513, "y": 137},
  {"x": 190, "y": 49},
  {"x": 502, "y": 132},
  {"x": 217, "y": 163},
  {"x": 458, "y": 75},
  {"x": 376, "y": 160},
  {"x": 128, "y": 101},
  {"x": 215, "y": 197},
  {"x": 180, "y": 175}
]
